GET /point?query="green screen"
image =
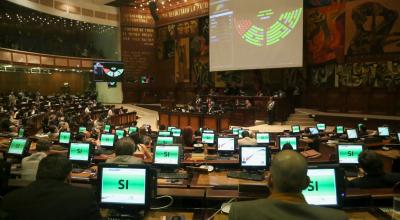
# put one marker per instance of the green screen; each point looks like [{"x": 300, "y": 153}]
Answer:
[
  {"x": 164, "y": 133},
  {"x": 291, "y": 140},
  {"x": 339, "y": 129},
  {"x": 64, "y": 137},
  {"x": 166, "y": 155},
  {"x": 207, "y": 138},
  {"x": 107, "y": 140},
  {"x": 176, "y": 132},
  {"x": 17, "y": 146},
  {"x": 132, "y": 130},
  {"x": 348, "y": 154},
  {"x": 235, "y": 131},
  {"x": 120, "y": 133},
  {"x": 79, "y": 151},
  {"x": 296, "y": 129},
  {"x": 322, "y": 188},
  {"x": 107, "y": 128},
  {"x": 21, "y": 132},
  {"x": 123, "y": 186},
  {"x": 262, "y": 138},
  {"x": 321, "y": 127},
  {"x": 170, "y": 128},
  {"x": 82, "y": 129},
  {"x": 165, "y": 140}
]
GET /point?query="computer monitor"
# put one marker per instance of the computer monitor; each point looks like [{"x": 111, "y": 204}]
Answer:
[
  {"x": 176, "y": 132},
  {"x": 107, "y": 128},
  {"x": 170, "y": 128},
  {"x": 164, "y": 133},
  {"x": 262, "y": 138},
  {"x": 21, "y": 132},
  {"x": 125, "y": 186},
  {"x": 398, "y": 137},
  {"x": 165, "y": 140},
  {"x": 348, "y": 153},
  {"x": 132, "y": 130},
  {"x": 208, "y": 131},
  {"x": 120, "y": 133},
  {"x": 383, "y": 131},
  {"x": 293, "y": 141},
  {"x": 82, "y": 130},
  {"x": 107, "y": 141},
  {"x": 241, "y": 132},
  {"x": 18, "y": 147},
  {"x": 321, "y": 126},
  {"x": 226, "y": 145},
  {"x": 167, "y": 155},
  {"x": 359, "y": 125},
  {"x": 352, "y": 134},
  {"x": 339, "y": 129},
  {"x": 207, "y": 138},
  {"x": 80, "y": 153},
  {"x": 314, "y": 131},
  {"x": 295, "y": 129},
  {"x": 326, "y": 186},
  {"x": 64, "y": 137},
  {"x": 235, "y": 130},
  {"x": 254, "y": 157}
]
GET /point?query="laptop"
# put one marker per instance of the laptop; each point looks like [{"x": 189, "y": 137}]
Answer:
[{"x": 352, "y": 134}]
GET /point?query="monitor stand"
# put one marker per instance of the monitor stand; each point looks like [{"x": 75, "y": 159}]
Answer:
[
  {"x": 225, "y": 156},
  {"x": 126, "y": 214}
]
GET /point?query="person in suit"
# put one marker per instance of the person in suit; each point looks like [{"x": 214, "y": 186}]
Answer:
[
  {"x": 29, "y": 164},
  {"x": 51, "y": 196},
  {"x": 287, "y": 179},
  {"x": 246, "y": 140},
  {"x": 124, "y": 149},
  {"x": 374, "y": 177}
]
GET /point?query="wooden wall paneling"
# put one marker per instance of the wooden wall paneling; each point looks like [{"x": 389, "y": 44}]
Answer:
[
  {"x": 210, "y": 122},
  {"x": 33, "y": 59},
  {"x": 164, "y": 119},
  {"x": 184, "y": 121},
  {"x": 357, "y": 100},
  {"x": 313, "y": 98},
  {"x": 174, "y": 120},
  {"x": 195, "y": 122},
  {"x": 18, "y": 57},
  {"x": 379, "y": 102},
  {"x": 397, "y": 102},
  {"x": 224, "y": 124},
  {"x": 5, "y": 56}
]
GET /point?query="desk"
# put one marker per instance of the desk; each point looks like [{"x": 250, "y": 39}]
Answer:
[{"x": 220, "y": 179}]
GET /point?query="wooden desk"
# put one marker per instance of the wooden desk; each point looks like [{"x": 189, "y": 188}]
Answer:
[
  {"x": 388, "y": 157},
  {"x": 220, "y": 179}
]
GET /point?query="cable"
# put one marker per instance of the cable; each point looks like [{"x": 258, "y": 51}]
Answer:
[
  {"x": 166, "y": 206},
  {"x": 222, "y": 206}
]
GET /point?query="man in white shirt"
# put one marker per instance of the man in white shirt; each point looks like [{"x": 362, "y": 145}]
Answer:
[
  {"x": 247, "y": 140},
  {"x": 29, "y": 165}
]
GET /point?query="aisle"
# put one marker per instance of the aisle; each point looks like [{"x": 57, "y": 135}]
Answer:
[{"x": 146, "y": 116}]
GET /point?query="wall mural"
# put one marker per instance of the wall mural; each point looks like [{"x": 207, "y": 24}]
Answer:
[
  {"x": 325, "y": 33},
  {"x": 373, "y": 27},
  {"x": 378, "y": 75},
  {"x": 182, "y": 60},
  {"x": 199, "y": 50}
]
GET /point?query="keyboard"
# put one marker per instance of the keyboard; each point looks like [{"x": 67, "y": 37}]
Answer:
[
  {"x": 245, "y": 175},
  {"x": 172, "y": 175}
]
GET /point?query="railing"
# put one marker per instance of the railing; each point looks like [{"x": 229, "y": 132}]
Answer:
[{"x": 122, "y": 119}]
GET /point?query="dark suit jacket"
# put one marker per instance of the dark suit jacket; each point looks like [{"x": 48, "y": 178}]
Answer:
[
  {"x": 271, "y": 209},
  {"x": 386, "y": 180},
  {"x": 50, "y": 199}
]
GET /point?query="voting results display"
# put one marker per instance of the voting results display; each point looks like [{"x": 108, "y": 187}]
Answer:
[
  {"x": 253, "y": 156},
  {"x": 123, "y": 185},
  {"x": 322, "y": 189},
  {"x": 262, "y": 138},
  {"x": 291, "y": 140},
  {"x": 165, "y": 140},
  {"x": 348, "y": 153},
  {"x": 17, "y": 146},
  {"x": 79, "y": 151},
  {"x": 166, "y": 155},
  {"x": 207, "y": 138},
  {"x": 64, "y": 138},
  {"x": 107, "y": 140}
]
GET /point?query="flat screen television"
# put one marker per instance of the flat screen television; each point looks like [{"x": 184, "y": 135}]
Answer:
[{"x": 108, "y": 71}]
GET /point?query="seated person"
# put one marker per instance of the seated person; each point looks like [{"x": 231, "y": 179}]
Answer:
[
  {"x": 51, "y": 196},
  {"x": 246, "y": 140},
  {"x": 374, "y": 176},
  {"x": 144, "y": 146},
  {"x": 53, "y": 132},
  {"x": 247, "y": 103},
  {"x": 124, "y": 149},
  {"x": 29, "y": 165},
  {"x": 287, "y": 179},
  {"x": 188, "y": 137}
]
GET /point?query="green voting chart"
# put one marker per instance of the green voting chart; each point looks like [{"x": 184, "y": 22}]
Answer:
[
  {"x": 207, "y": 138},
  {"x": 262, "y": 138},
  {"x": 17, "y": 146},
  {"x": 65, "y": 137},
  {"x": 291, "y": 140},
  {"x": 165, "y": 140},
  {"x": 166, "y": 155},
  {"x": 120, "y": 133},
  {"x": 107, "y": 140},
  {"x": 82, "y": 129},
  {"x": 339, "y": 129},
  {"x": 348, "y": 154},
  {"x": 322, "y": 188},
  {"x": 123, "y": 185},
  {"x": 79, "y": 151}
]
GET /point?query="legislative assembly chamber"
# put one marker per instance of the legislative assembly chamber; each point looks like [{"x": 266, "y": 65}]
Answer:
[{"x": 199, "y": 109}]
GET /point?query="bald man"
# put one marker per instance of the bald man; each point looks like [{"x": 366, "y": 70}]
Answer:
[{"x": 288, "y": 178}]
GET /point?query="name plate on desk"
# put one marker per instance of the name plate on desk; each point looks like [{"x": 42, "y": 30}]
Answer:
[{"x": 198, "y": 156}]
